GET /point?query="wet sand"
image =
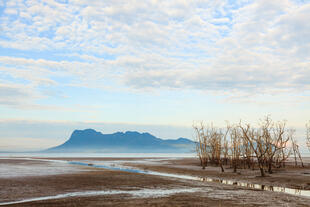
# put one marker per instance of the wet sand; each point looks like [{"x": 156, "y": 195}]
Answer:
[
  {"x": 88, "y": 178},
  {"x": 291, "y": 176}
]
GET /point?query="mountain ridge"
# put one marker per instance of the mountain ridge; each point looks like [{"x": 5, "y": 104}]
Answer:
[{"x": 90, "y": 140}]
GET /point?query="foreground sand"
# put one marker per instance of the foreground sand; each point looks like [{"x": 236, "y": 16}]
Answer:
[{"x": 62, "y": 178}]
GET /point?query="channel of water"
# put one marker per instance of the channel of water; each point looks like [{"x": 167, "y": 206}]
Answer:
[
  {"x": 144, "y": 193},
  {"x": 292, "y": 191}
]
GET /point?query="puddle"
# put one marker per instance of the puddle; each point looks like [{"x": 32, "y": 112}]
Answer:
[
  {"x": 112, "y": 166},
  {"x": 145, "y": 193},
  {"x": 291, "y": 191}
]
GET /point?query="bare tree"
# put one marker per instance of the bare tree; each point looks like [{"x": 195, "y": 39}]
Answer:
[
  {"x": 235, "y": 137},
  {"x": 276, "y": 137},
  {"x": 247, "y": 154},
  {"x": 284, "y": 153},
  {"x": 209, "y": 144},
  {"x": 226, "y": 144},
  {"x": 216, "y": 147},
  {"x": 256, "y": 140},
  {"x": 201, "y": 144},
  {"x": 295, "y": 148},
  {"x": 265, "y": 146}
]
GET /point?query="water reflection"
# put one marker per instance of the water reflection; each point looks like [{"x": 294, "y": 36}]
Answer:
[{"x": 291, "y": 191}]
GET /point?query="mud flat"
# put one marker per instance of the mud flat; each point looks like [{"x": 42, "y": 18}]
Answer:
[
  {"x": 289, "y": 177},
  {"x": 44, "y": 182}
]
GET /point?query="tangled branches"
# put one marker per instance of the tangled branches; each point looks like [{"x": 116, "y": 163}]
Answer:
[{"x": 265, "y": 146}]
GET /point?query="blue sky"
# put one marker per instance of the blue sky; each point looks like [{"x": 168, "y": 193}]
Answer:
[{"x": 152, "y": 66}]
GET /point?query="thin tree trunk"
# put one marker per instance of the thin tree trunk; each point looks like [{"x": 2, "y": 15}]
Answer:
[{"x": 262, "y": 172}]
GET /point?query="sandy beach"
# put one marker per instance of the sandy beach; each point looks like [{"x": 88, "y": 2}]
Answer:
[{"x": 57, "y": 182}]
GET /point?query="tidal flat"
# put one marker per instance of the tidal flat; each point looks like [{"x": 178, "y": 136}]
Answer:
[{"x": 151, "y": 181}]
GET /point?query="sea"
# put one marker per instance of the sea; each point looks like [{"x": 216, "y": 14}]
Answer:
[
  {"x": 114, "y": 155},
  {"x": 105, "y": 155}
]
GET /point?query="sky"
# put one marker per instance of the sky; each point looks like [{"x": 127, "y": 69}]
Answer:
[{"x": 150, "y": 66}]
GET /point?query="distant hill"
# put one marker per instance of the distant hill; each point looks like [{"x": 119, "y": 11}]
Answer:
[{"x": 89, "y": 140}]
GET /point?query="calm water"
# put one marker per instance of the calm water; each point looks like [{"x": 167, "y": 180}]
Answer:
[{"x": 116, "y": 155}]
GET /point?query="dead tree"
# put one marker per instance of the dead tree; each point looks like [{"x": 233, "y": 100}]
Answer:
[
  {"x": 225, "y": 144},
  {"x": 201, "y": 144},
  {"x": 281, "y": 157},
  {"x": 295, "y": 148},
  {"x": 216, "y": 147},
  {"x": 256, "y": 141},
  {"x": 209, "y": 144},
  {"x": 235, "y": 147},
  {"x": 265, "y": 146},
  {"x": 275, "y": 139}
]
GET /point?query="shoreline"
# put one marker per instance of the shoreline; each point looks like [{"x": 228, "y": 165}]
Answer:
[{"x": 87, "y": 178}]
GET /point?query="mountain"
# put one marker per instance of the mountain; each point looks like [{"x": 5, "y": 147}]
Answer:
[{"x": 89, "y": 140}]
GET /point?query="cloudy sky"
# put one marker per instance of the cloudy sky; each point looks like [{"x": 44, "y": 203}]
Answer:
[{"x": 153, "y": 66}]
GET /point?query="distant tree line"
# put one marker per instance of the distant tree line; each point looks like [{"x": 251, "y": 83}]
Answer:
[{"x": 266, "y": 146}]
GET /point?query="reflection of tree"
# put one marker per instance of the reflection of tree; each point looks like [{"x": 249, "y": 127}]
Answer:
[{"x": 271, "y": 188}]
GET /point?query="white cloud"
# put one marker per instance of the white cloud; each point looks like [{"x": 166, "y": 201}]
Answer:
[
  {"x": 249, "y": 47},
  {"x": 15, "y": 95}
]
